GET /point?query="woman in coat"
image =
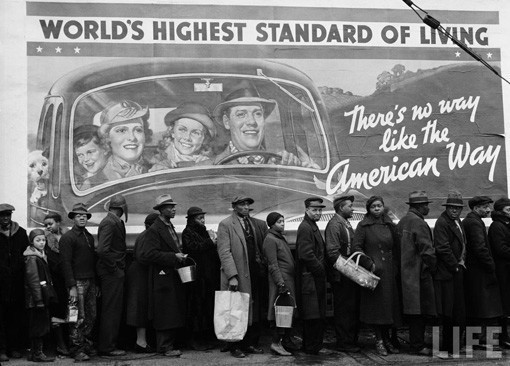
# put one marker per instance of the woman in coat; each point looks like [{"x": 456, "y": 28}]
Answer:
[
  {"x": 499, "y": 238},
  {"x": 137, "y": 302},
  {"x": 200, "y": 244},
  {"x": 281, "y": 271},
  {"x": 376, "y": 236}
]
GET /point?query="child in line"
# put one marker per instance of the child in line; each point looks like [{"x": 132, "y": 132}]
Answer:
[{"x": 39, "y": 293}]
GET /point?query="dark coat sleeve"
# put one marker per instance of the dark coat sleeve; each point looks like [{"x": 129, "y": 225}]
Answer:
[
  {"x": 306, "y": 243},
  {"x": 442, "y": 245},
  {"x": 499, "y": 241},
  {"x": 358, "y": 245},
  {"x": 271, "y": 253},
  {"x": 32, "y": 280},
  {"x": 105, "y": 235},
  {"x": 425, "y": 246},
  {"x": 476, "y": 245},
  {"x": 334, "y": 232},
  {"x": 66, "y": 255}
]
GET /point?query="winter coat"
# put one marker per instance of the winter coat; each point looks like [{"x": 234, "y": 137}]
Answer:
[
  {"x": 499, "y": 239},
  {"x": 339, "y": 235},
  {"x": 52, "y": 251},
  {"x": 167, "y": 299},
  {"x": 378, "y": 240},
  {"x": 233, "y": 254},
  {"x": 417, "y": 263},
  {"x": 448, "y": 242},
  {"x": 281, "y": 267},
  {"x": 77, "y": 255},
  {"x": 12, "y": 245},
  {"x": 311, "y": 270},
  {"x": 481, "y": 285},
  {"x": 38, "y": 284},
  {"x": 111, "y": 248}
]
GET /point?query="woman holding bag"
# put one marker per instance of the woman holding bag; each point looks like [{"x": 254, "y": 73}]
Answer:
[
  {"x": 376, "y": 237},
  {"x": 281, "y": 270}
]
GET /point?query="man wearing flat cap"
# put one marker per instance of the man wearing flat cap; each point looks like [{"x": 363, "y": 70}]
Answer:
[
  {"x": 78, "y": 266},
  {"x": 13, "y": 242},
  {"x": 417, "y": 263},
  {"x": 450, "y": 245},
  {"x": 111, "y": 250},
  {"x": 311, "y": 276},
  {"x": 339, "y": 234},
  {"x": 240, "y": 239},
  {"x": 483, "y": 301},
  {"x": 243, "y": 112},
  {"x": 161, "y": 250}
]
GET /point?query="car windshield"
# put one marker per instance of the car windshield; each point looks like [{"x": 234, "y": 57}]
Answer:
[{"x": 151, "y": 126}]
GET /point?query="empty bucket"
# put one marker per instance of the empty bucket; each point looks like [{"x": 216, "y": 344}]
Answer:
[{"x": 188, "y": 273}]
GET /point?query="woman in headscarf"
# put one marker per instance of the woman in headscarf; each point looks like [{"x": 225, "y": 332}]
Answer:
[{"x": 376, "y": 236}]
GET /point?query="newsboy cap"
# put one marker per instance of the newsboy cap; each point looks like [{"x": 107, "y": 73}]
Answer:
[
  {"x": 454, "y": 199},
  {"x": 79, "y": 208},
  {"x": 337, "y": 201},
  {"x": 239, "y": 199},
  {"x": 6, "y": 207},
  {"x": 478, "y": 201},
  {"x": 416, "y": 197},
  {"x": 163, "y": 200},
  {"x": 314, "y": 202}
]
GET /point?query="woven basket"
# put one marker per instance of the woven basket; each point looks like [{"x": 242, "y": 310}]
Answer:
[{"x": 358, "y": 274}]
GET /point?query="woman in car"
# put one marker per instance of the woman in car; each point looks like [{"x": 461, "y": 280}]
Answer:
[
  {"x": 124, "y": 131},
  {"x": 186, "y": 142},
  {"x": 90, "y": 157}
]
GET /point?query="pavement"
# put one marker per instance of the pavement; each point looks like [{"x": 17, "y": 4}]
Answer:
[{"x": 367, "y": 356}]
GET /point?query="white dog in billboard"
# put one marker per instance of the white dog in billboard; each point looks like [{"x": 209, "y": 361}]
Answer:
[{"x": 37, "y": 175}]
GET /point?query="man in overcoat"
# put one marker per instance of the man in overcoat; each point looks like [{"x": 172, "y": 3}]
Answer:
[
  {"x": 167, "y": 299},
  {"x": 483, "y": 301},
  {"x": 339, "y": 234},
  {"x": 111, "y": 264},
  {"x": 13, "y": 242},
  {"x": 450, "y": 245},
  {"x": 240, "y": 239},
  {"x": 417, "y": 263},
  {"x": 311, "y": 276}
]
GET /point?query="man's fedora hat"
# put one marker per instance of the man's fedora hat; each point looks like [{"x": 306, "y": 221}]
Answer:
[
  {"x": 163, "y": 200},
  {"x": 194, "y": 111},
  {"x": 314, "y": 202},
  {"x": 117, "y": 201},
  {"x": 79, "y": 208},
  {"x": 239, "y": 199},
  {"x": 416, "y": 197},
  {"x": 6, "y": 207},
  {"x": 121, "y": 112},
  {"x": 245, "y": 94},
  {"x": 454, "y": 199}
]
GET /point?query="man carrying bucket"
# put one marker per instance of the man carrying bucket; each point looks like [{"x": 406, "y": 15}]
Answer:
[{"x": 167, "y": 299}]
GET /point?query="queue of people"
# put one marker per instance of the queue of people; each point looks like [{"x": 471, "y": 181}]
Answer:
[{"x": 455, "y": 275}]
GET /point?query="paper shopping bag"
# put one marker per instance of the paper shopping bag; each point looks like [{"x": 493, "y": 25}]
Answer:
[{"x": 231, "y": 310}]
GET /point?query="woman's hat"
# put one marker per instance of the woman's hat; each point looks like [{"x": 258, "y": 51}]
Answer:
[
  {"x": 79, "y": 208},
  {"x": 34, "y": 233},
  {"x": 194, "y": 111},
  {"x": 454, "y": 199},
  {"x": 163, "y": 200},
  {"x": 121, "y": 112},
  {"x": 117, "y": 201},
  {"x": 416, "y": 197},
  {"x": 272, "y": 218},
  {"x": 195, "y": 211},
  {"x": 149, "y": 220},
  {"x": 245, "y": 94},
  {"x": 500, "y": 204}
]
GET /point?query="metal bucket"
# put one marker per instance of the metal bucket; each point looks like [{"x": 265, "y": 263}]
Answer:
[
  {"x": 284, "y": 314},
  {"x": 188, "y": 273}
]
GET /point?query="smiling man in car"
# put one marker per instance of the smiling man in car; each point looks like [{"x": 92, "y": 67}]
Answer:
[{"x": 244, "y": 112}]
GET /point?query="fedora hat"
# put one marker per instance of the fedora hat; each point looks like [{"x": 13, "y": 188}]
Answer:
[
  {"x": 195, "y": 112},
  {"x": 239, "y": 199},
  {"x": 117, "y": 201},
  {"x": 163, "y": 200},
  {"x": 416, "y": 197},
  {"x": 314, "y": 202},
  {"x": 454, "y": 199},
  {"x": 121, "y": 112},
  {"x": 245, "y": 94},
  {"x": 195, "y": 211},
  {"x": 79, "y": 208}
]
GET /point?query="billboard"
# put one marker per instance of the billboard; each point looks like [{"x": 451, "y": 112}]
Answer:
[{"x": 277, "y": 101}]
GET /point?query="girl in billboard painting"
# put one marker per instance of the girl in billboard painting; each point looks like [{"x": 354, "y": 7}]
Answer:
[
  {"x": 90, "y": 155},
  {"x": 186, "y": 142},
  {"x": 124, "y": 131}
]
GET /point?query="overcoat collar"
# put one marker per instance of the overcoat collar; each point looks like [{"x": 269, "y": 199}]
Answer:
[{"x": 162, "y": 229}]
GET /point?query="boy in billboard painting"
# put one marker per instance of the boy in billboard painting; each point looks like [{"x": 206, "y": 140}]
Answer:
[{"x": 91, "y": 156}]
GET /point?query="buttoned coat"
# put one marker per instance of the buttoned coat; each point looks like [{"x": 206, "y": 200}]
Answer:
[
  {"x": 448, "y": 241},
  {"x": 417, "y": 263},
  {"x": 167, "y": 299},
  {"x": 111, "y": 248},
  {"x": 481, "y": 285},
  {"x": 339, "y": 238},
  {"x": 311, "y": 270},
  {"x": 233, "y": 254},
  {"x": 499, "y": 238}
]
